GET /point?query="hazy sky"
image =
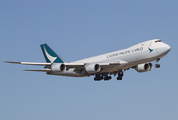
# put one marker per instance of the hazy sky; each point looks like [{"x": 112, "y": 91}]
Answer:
[{"x": 78, "y": 29}]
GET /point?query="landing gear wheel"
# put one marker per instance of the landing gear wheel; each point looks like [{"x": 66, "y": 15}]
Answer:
[
  {"x": 119, "y": 78},
  {"x": 107, "y": 77},
  {"x": 120, "y": 75},
  {"x": 157, "y": 66},
  {"x": 98, "y": 77}
]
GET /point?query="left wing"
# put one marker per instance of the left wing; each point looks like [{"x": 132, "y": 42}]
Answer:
[
  {"x": 29, "y": 63},
  {"x": 78, "y": 67},
  {"x": 44, "y": 70}
]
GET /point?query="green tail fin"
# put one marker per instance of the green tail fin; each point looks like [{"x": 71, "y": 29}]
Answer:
[{"x": 50, "y": 55}]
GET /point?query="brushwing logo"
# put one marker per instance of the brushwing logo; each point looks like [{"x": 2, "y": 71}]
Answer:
[
  {"x": 51, "y": 58},
  {"x": 151, "y": 50}
]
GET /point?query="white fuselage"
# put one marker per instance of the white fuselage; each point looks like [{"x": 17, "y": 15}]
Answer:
[{"x": 140, "y": 53}]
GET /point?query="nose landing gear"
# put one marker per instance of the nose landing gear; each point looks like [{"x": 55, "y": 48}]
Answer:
[{"x": 157, "y": 65}]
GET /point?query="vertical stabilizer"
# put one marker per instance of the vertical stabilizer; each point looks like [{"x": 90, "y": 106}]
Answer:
[{"x": 50, "y": 55}]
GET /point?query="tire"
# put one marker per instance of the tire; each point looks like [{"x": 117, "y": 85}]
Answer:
[{"x": 157, "y": 66}]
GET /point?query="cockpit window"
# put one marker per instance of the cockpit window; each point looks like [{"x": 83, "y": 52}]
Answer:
[{"x": 158, "y": 41}]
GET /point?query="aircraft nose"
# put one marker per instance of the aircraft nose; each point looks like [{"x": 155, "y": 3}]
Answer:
[
  {"x": 164, "y": 49},
  {"x": 168, "y": 48}
]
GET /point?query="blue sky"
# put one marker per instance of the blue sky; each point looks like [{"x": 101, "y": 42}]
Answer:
[{"x": 80, "y": 29}]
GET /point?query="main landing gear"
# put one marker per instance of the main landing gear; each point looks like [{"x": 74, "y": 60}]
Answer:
[
  {"x": 99, "y": 77},
  {"x": 157, "y": 64},
  {"x": 120, "y": 75}
]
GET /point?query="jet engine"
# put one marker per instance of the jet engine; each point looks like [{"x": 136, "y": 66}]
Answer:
[
  {"x": 93, "y": 68},
  {"x": 58, "y": 67},
  {"x": 144, "y": 67}
]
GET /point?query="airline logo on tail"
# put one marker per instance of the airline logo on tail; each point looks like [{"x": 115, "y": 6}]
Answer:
[
  {"x": 50, "y": 55},
  {"x": 50, "y": 58}
]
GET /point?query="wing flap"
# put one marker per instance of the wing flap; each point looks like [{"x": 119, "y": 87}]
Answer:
[{"x": 74, "y": 65}]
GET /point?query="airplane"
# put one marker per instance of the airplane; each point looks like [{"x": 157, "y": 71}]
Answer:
[{"x": 138, "y": 57}]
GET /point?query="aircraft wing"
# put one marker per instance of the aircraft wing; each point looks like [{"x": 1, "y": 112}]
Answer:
[
  {"x": 29, "y": 63},
  {"x": 69, "y": 65},
  {"x": 44, "y": 70},
  {"x": 78, "y": 67}
]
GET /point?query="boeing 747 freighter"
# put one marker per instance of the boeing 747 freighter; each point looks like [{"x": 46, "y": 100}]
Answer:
[{"x": 138, "y": 57}]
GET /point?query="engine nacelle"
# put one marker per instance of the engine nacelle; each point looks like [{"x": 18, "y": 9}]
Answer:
[
  {"x": 58, "y": 67},
  {"x": 93, "y": 68},
  {"x": 144, "y": 67}
]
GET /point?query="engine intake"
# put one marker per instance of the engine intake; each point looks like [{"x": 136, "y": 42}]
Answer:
[
  {"x": 58, "y": 67},
  {"x": 144, "y": 67},
  {"x": 93, "y": 68}
]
